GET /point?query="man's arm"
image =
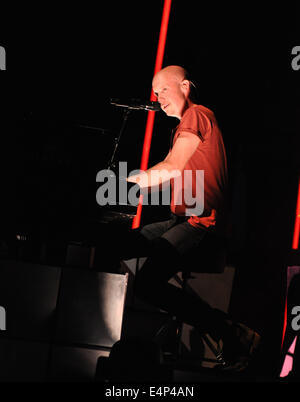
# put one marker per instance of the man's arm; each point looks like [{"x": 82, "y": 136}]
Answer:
[{"x": 172, "y": 166}]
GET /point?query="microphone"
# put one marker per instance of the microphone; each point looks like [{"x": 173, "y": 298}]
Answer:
[{"x": 136, "y": 104}]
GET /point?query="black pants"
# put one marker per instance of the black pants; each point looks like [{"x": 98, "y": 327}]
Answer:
[{"x": 166, "y": 244}]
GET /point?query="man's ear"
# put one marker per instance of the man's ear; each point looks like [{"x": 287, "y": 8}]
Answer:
[{"x": 185, "y": 85}]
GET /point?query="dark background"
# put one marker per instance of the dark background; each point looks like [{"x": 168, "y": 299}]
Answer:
[{"x": 63, "y": 65}]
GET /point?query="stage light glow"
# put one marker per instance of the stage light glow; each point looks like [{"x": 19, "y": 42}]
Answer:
[
  {"x": 289, "y": 360},
  {"x": 295, "y": 246},
  {"x": 296, "y": 236},
  {"x": 150, "y": 118}
]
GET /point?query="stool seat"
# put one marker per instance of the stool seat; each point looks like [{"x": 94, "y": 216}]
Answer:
[{"x": 208, "y": 257}]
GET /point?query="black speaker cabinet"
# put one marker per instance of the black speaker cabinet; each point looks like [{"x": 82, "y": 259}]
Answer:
[
  {"x": 23, "y": 361},
  {"x": 69, "y": 363},
  {"x": 55, "y": 322},
  {"x": 90, "y": 307},
  {"x": 28, "y": 293}
]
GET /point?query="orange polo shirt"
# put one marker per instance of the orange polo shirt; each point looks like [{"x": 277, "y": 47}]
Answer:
[{"x": 209, "y": 157}]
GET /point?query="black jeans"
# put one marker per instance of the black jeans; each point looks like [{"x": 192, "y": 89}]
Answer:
[{"x": 166, "y": 244}]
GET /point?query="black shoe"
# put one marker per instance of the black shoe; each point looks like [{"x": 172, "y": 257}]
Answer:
[{"x": 240, "y": 345}]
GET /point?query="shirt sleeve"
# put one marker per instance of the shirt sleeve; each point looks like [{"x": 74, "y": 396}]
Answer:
[{"x": 194, "y": 122}]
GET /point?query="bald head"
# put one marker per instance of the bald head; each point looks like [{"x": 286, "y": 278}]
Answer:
[
  {"x": 172, "y": 89},
  {"x": 176, "y": 73}
]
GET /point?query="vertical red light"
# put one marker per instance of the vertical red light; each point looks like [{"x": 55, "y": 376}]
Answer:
[
  {"x": 295, "y": 246},
  {"x": 150, "y": 118},
  {"x": 296, "y": 236}
]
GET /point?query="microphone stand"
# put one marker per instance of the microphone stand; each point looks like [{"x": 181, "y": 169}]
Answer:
[
  {"x": 149, "y": 106},
  {"x": 112, "y": 162}
]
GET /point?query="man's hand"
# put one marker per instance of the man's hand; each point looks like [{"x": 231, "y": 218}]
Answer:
[{"x": 141, "y": 179}]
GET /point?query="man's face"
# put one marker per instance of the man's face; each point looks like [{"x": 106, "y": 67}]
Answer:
[{"x": 171, "y": 94}]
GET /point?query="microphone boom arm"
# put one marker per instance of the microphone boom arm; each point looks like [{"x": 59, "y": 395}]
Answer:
[{"x": 136, "y": 104}]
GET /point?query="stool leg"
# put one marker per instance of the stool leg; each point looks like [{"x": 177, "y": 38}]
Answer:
[
  {"x": 180, "y": 323},
  {"x": 178, "y": 350},
  {"x": 215, "y": 351}
]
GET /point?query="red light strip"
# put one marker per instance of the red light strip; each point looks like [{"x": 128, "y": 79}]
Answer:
[
  {"x": 295, "y": 246},
  {"x": 150, "y": 118},
  {"x": 284, "y": 322}
]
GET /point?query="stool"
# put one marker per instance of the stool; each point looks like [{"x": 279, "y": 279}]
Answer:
[{"x": 209, "y": 257}]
